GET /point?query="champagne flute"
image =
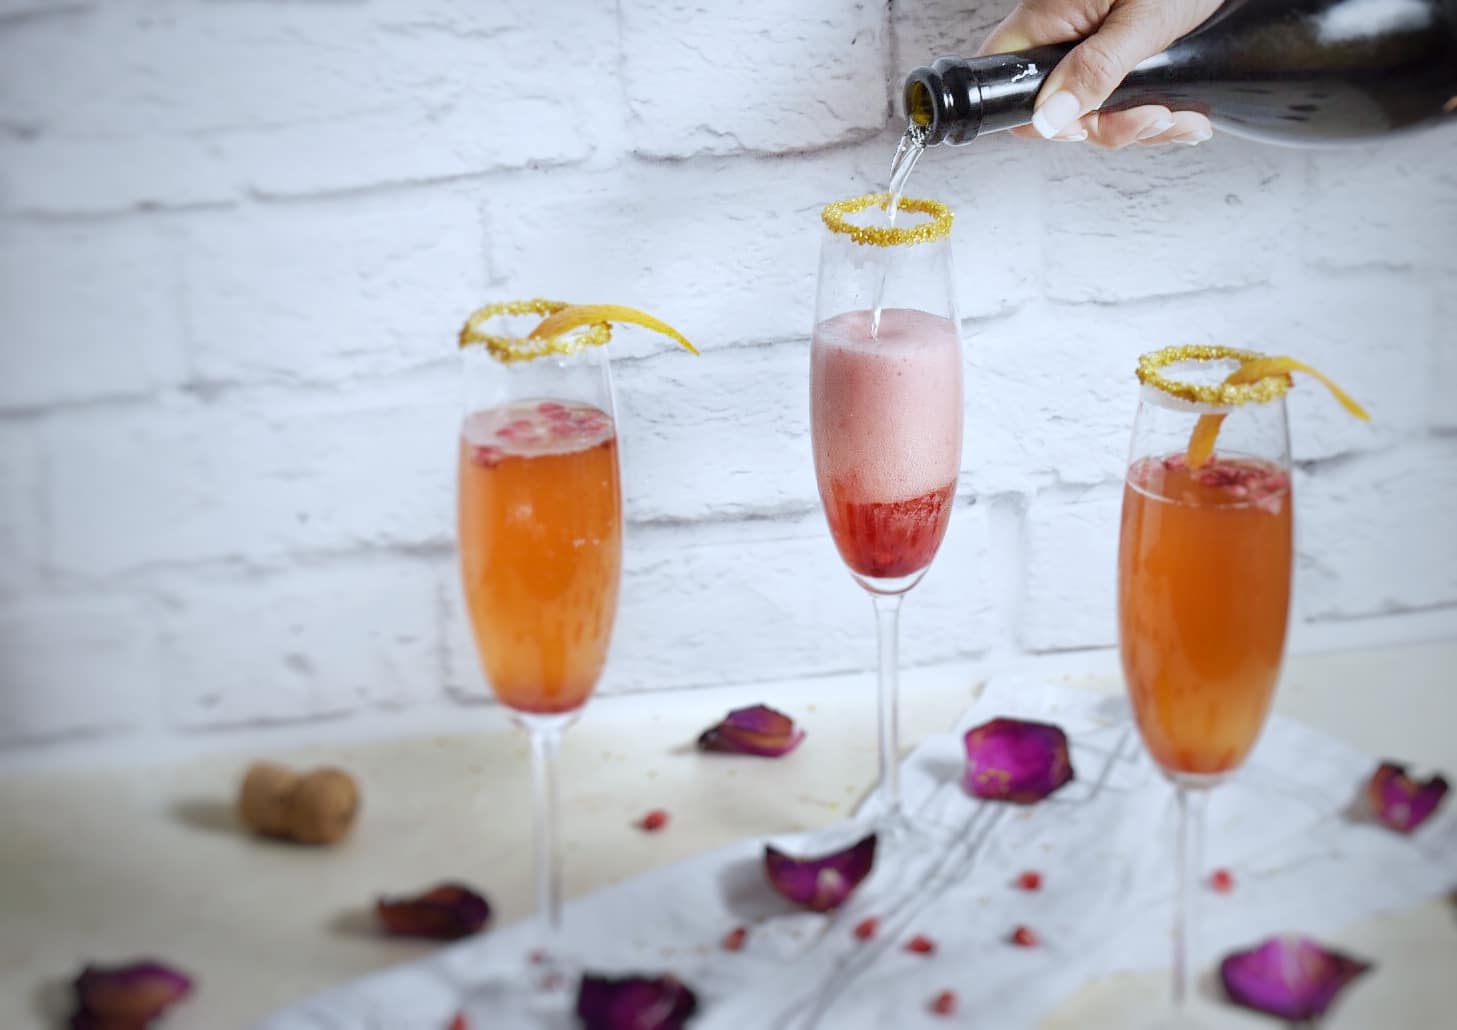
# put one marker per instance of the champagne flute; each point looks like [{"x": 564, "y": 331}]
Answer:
[
  {"x": 540, "y": 533},
  {"x": 1204, "y": 569},
  {"x": 886, "y": 415}
]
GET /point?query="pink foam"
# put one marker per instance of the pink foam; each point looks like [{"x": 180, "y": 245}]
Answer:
[
  {"x": 886, "y": 412},
  {"x": 529, "y": 428}
]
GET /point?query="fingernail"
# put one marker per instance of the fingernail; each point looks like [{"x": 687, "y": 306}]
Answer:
[
  {"x": 1156, "y": 128},
  {"x": 1058, "y": 112},
  {"x": 1193, "y": 139},
  {"x": 1071, "y": 137}
]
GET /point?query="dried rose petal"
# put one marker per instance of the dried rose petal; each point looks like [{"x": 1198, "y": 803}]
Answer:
[
  {"x": 634, "y": 1003},
  {"x": 920, "y": 944},
  {"x": 443, "y": 913},
  {"x": 866, "y": 928},
  {"x": 944, "y": 1004},
  {"x": 1290, "y": 977},
  {"x": 758, "y": 730},
  {"x": 1016, "y": 760},
  {"x": 131, "y": 994},
  {"x": 1400, "y": 801},
  {"x": 820, "y": 884}
]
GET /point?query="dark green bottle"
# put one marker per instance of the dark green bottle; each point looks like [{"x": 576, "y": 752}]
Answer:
[{"x": 1284, "y": 71}]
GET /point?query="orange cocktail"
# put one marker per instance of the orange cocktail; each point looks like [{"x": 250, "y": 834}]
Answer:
[
  {"x": 1204, "y": 565},
  {"x": 541, "y": 548}
]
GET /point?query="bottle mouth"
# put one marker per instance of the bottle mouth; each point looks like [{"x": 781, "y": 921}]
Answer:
[
  {"x": 920, "y": 109},
  {"x": 943, "y": 100},
  {"x": 919, "y": 100}
]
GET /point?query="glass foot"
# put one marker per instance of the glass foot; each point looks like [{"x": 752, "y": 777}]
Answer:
[{"x": 542, "y": 994}]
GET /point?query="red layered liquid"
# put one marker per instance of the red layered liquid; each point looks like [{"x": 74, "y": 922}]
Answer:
[{"x": 887, "y": 539}]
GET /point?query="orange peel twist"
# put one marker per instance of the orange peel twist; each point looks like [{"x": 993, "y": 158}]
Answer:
[
  {"x": 1259, "y": 378},
  {"x": 579, "y": 315},
  {"x": 555, "y": 334}
]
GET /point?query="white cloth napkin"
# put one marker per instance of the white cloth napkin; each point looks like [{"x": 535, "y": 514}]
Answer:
[{"x": 1103, "y": 844}]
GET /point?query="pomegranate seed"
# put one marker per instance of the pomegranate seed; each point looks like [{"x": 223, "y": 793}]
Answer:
[
  {"x": 735, "y": 939},
  {"x": 486, "y": 457},
  {"x": 1030, "y": 880},
  {"x": 458, "y": 1022},
  {"x": 944, "y": 1004},
  {"x": 551, "y": 408},
  {"x": 654, "y": 820},
  {"x": 865, "y": 929},
  {"x": 1023, "y": 937},
  {"x": 1221, "y": 880},
  {"x": 921, "y": 944}
]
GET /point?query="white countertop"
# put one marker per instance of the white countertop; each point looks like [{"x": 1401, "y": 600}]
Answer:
[{"x": 115, "y": 864}]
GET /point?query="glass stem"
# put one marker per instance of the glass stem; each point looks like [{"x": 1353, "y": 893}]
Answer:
[
  {"x": 544, "y": 745},
  {"x": 1190, "y": 857},
  {"x": 887, "y": 624}
]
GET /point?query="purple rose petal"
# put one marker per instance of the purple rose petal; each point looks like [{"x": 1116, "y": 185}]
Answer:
[
  {"x": 1016, "y": 760},
  {"x": 758, "y": 730},
  {"x": 1400, "y": 801},
  {"x": 820, "y": 884},
  {"x": 443, "y": 913},
  {"x": 132, "y": 994},
  {"x": 1291, "y": 977},
  {"x": 634, "y": 1003}
]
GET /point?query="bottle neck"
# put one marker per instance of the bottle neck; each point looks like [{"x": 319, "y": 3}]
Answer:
[{"x": 956, "y": 100}]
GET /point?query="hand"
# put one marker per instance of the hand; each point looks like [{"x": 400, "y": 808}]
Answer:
[{"x": 1116, "y": 35}]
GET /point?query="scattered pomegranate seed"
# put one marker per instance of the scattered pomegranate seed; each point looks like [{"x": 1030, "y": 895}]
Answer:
[
  {"x": 921, "y": 944},
  {"x": 865, "y": 929},
  {"x": 1030, "y": 880},
  {"x": 735, "y": 939},
  {"x": 1221, "y": 880},
  {"x": 486, "y": 457},
  {"x": 944, "y": 1004},
  {"x": 458, "y": 1022},
  {"x": 1023, "y": 937},
  {"x": 654, "y": 820}
]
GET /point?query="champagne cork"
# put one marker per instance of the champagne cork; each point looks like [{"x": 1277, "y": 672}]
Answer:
[
  {"x": 318, "y": 808},
  {"x": 265, "y": 801},
  {"x": 324, "y": 803}
]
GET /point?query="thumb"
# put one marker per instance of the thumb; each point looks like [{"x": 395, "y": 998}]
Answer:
[{"x": 1092, "y": 70}]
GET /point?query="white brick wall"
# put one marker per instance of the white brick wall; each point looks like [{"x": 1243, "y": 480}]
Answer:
[{"x": 236, "y": 240}]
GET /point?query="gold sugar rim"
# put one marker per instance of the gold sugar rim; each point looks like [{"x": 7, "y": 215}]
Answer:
[
  {"x": 938, "y": 227},
  {"x": 1219, "y": 395},
  {"x": 510, "y": 349}
]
